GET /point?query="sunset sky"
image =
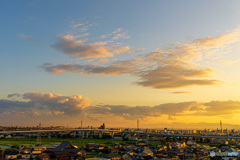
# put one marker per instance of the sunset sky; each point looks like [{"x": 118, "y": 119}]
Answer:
[{"x": 172, "y": 64}]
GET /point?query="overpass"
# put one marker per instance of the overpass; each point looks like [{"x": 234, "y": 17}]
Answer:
[
  {"x": 80, "y": 132},
  {"x": 86, "y": 132},
  {"x": 181, "y": 135}
]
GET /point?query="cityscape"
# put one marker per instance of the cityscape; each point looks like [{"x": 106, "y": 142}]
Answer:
[
  {"x": 120, "y": 80},
  {"x": 118, "y": 143}
]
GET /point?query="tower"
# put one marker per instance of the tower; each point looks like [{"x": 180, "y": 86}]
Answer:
[
  {"x": 39, "y": 135},
  {"x": 81, "y": 123},
  {"x": 138, "y": 124},
  {"x": 221, "y": 126}
]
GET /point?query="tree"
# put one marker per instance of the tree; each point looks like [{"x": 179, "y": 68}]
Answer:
[
  {"x": 167, "y": 138},
  {"x": 106, "y": 150},
  {"x": 15, "y": 146}
]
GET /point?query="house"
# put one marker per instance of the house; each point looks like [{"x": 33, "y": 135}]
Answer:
[
  {"x": 117, "y": 145},
  {"x": 65, "y": 150},
  {"x": 114, "y": 150},
  {"x": 91, "y": 147},
  {"x": 26, "y": 156},
  {"x": 101, "y": 147},
  {"x": 82, "y": 153},
  {"x": 190, "y": 155},
  {"x": 115, "y": 156},
  {"x": 44, "y": 157},
  {"x": 11, "y": 154},
  {"x": 146, "y": 152}
]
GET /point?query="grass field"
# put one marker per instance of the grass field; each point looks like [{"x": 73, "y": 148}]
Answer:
[
  {"x": 78, "y": 142},
  {"x": 50, "y": 141},
  {"x": 6, "y": 143}
]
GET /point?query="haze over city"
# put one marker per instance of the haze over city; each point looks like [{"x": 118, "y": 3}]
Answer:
[{"x": 168, "y": 64}]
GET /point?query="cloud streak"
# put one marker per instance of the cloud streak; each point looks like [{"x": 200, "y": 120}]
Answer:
[
  {"x": 29, "y": 38},
  {"x": 179, "y": 92},
  {"x": 87, "y": 69}
]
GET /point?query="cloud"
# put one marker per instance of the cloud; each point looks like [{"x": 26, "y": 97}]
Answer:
[
  {"x": 74, "y": 48},
  {"x": 42, "y": 103},
  {"x": 117, "y": 34},
  {"x": 87, "y": 69},
  {"x": 13, "y": 95},
  {"x": 174, "y": 77},
  {"x": 51, "y": 104},
  {"x": 103, "y": 60},
  {"x": 176, "y": 66},
  {"x": 121, "y": 35},
  {"x": 186, "y": 125},
  {"x": 126, "y": 112},
  {"x": 213, "y": 108},
  {"x": 222, "y": 107},
  {"x": 119, "y": 49},
  {"x": 80, "y": 27},
  {"x": 83, "y": 50},
  {"x": 29, "y": 38},
  {"x": 179, "y": 92},
  {"x": 69, "y": 105},
  {"x": 217, "y": 42}
]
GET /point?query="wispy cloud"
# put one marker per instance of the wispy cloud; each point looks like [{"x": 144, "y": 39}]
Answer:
[
  {"x": 80, "y": 49},
  {"x": 180, "y": 92},
  {"x": 13, "y": 95},
  {"x": 89, "y": 69},
  {"x": 29, "y": 38},
  {"x": 83, "y": 50},
  {"x": 117, "y": 34}
]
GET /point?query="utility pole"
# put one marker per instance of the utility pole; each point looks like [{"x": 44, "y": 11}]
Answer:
[
  {"x": 39, "y": 135},
  {"x": 221, "y": 126},
  {"x": 138, "y": 124}
]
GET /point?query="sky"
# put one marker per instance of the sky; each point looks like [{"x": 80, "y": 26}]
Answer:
[{"x": 171, "y": 64}]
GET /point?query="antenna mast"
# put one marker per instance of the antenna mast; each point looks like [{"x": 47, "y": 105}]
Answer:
[
  {"x": 138, "y": 124},
  {"x": 221, "y": 126},
  {"x": 39, "y": 135}
]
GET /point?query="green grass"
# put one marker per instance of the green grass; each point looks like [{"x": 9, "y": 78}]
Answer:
[
  {"x": 78, "y": 142},
  {"x": 50, "y": 141},
  {"x": 155, "y": 143}
]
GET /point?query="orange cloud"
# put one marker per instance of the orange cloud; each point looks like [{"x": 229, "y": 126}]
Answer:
[
  {"x": 179, "y": 92},
  {"x": 83, "y": 50},
  {"x": 47, "y": 105},
  {"x": 78, "y": 48},
  {"x": 37, "y": 103},
  {"x": 213, "y": 108},
  {"x": 174, "y": 67},
  {"x": 87, "y": 69}
]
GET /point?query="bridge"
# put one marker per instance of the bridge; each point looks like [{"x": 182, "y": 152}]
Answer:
[
  {"x": 85, "y": 133},
  {"x": 181, "y": 135},
  {"x": 76, "y": 132}
]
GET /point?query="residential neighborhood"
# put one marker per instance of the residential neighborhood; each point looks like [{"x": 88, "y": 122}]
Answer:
[{"x": 178, "y": 150}]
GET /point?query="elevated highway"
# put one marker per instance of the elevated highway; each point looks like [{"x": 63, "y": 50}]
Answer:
[{"x": 100, "y": 132}]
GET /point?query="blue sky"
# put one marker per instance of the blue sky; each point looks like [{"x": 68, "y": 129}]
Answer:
[{"x": 109, "y": 63}]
